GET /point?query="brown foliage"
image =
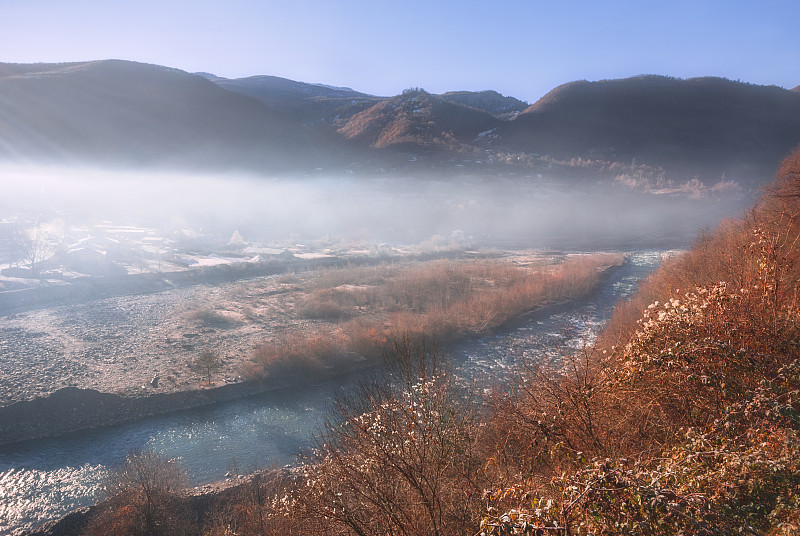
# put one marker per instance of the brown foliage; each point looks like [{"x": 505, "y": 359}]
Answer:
[
  {"x": 261, "y": 506},
  {"x": 400, "y": 456},
  {"x": 684, "y": 419},
  {"x": 145, "y": 495},
  {"x": 368, "y": 307}
]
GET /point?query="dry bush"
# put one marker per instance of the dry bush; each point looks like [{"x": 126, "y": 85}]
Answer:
[
  {"x": 738, "y": 475},
  {"x": 145, "y": 498},
  {"x": 210, "y": 318},
  {"x": 366, "y": 337},
  {"x": 323, "y": 305},
  {"x": 715, "y": 256},
  {"x": 442, "y": 299},
  {"x": 262, "y": 506},
  {"x": 399, "y": 455},
  {"x": 686, "y": 421},
  {"x": 300, "y": 353}
]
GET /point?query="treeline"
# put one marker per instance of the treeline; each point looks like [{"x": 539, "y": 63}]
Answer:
[{"x": 684, "y": 418}]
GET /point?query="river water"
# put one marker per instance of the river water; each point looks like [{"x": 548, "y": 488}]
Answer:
[{"x": 45, "y": 479}]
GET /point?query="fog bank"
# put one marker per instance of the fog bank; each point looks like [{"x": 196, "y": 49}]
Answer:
[{"x": 504, "y": 212}]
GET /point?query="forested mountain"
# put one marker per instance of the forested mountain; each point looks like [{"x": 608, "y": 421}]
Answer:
[
  {"x": 488, "y": 101},
  {"x": 306, "y": 103},
  {"x": 418, "y": 120}
]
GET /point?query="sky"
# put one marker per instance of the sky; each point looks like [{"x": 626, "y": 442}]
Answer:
[{"x": 519, "y": 48}]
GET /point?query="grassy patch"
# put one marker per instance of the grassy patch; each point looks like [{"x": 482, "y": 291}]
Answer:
[
  {"x": 209, "y": 318},
  {"x": 356, "y": 312}
]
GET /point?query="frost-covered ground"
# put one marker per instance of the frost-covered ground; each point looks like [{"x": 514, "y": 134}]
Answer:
[{"x": 119, "y": 344}]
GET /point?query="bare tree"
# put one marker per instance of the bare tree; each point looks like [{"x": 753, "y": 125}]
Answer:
[
  {"x": 32, "y": 247},
  {"x": 207, "y": 363},
  {"x": 400, "y": 456},
  {"x": 145, "y": 495}
]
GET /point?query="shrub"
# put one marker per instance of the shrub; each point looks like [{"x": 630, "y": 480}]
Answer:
[
  {"x": 367, "y": 307},
  {"x": 399, "y": 456},
  {"x": 145, "y": 495},
  {"x": 686, "y": 421}
]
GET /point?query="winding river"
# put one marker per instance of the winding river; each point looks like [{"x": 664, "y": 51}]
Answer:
[{"x": 45, "y": 479}]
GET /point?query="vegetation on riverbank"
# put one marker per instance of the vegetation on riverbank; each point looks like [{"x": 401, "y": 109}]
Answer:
[
  {"x": 684, "y": 419},
  {"x": 357, "y": 313}
]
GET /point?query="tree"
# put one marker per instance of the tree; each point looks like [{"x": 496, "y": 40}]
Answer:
[
  {"x": 399, "y": 457},
  {"x": 145, "y": 494},
  {"x": 33, "y": 247},
  {"x": 207, "y": 363}
]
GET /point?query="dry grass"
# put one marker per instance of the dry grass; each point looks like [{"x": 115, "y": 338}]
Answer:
[
  {"x": 209, "y": 318},
  {"x": 358, "y": 311}
]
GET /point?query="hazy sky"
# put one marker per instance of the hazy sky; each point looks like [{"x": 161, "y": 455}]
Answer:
[{"x": 520, "y": 48}]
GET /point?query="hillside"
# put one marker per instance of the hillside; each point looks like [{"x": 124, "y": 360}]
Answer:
[
  {"x": 119, "y": 112},
  {"x": 306, "y": 103},
  {"x": 419, "y": 120},
  {"x": 488, "y": 101},
  {"x": 706, "y": 126},
  {"x": 684, "y": 418}
]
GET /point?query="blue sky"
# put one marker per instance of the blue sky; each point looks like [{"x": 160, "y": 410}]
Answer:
[{"x": 520, "y": 48}]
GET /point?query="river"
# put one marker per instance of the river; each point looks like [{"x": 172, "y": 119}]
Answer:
[{"x": 44, "y": 479}]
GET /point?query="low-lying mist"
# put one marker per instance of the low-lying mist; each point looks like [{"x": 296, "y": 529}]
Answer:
[{"x": 510, "y": 211}]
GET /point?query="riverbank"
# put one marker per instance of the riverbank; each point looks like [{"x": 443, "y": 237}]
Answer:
[
  {"x": 72, "y": 408},
  {"x": 116, "y": 334},
  {"x": 199, "y": 499},
  {"x": 46, "y": 479}
]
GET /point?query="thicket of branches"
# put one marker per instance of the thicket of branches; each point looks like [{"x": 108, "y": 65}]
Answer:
[{"x": 685, "y": 418}]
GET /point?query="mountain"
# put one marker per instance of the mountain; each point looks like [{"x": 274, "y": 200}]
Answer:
[
  {"x": 124, "y": 112},
  {"x": 121, "y": 112},
  {"x": 488, "y": 101},
  {"x": 307, "y": 103},
  {"x": 417, "y": 120},
  {"x": 709, "y": 126}
]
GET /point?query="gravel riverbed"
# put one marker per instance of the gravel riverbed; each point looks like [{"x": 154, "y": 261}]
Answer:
[{"x": 117, "y": 345}]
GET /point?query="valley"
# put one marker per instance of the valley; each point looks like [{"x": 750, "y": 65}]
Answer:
[
  {"x": 47, "y": 478},
  {"x": 225, "y": 273}
]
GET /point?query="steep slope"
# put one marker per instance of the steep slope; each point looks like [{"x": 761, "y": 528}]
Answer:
[
  {"x": 307, "y": 103},
  {"x": 417, "y": 119},
  {"x": 710, "y": 126},
  {"x": 131, "y": 113}
]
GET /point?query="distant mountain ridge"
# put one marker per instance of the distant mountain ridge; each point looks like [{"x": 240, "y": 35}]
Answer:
[
  {"x": 124, "y": 112},
  {"x": 138, "y": 114},
  {"x": 488, "y": 101},
  {"x": 307, "y": 103},
  {"x": 709, "y": 124},
  {"x": 417, "y": 119}
]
